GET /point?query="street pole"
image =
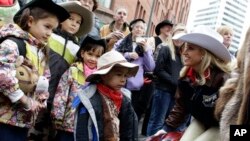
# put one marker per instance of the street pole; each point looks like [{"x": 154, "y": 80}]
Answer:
[{"x": 150, "y": 17}]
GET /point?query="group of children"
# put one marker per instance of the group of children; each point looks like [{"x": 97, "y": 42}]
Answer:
[
  {"x": 76, "y": 88},
  {"x": 97, "y": 110}
]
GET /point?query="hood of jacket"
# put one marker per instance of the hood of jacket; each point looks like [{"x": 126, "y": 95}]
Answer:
[{"x": 15, "y": 31}]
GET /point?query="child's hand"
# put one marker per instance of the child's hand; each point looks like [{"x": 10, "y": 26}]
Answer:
[
  {"x": 30, "y": 104},
  {"x": 42, "y": 98}
]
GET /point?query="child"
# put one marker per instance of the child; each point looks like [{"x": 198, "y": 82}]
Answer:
[
  {"x": 64, "y": 42},
  {"x": 62, "y": 111},
  {"x": 34, "y": 24},
  {"x": 104, "y": 111},
  {"x": 63, "y": 45}
]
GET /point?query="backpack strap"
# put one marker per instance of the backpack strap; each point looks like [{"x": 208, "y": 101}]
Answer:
[{"x": 20, "y": 43}]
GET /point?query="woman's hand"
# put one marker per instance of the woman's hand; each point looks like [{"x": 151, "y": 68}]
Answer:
[
  {"x": 133, "y": 55},
  {"x": 143, "y": 44}
]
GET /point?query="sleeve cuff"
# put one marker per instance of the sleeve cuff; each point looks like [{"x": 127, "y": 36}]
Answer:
[{"x": 15, "y": 96}]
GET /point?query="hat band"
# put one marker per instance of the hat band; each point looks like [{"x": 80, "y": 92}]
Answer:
[{"x": 109, "y": 65}]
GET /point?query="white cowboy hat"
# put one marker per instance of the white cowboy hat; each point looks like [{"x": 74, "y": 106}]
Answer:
[
  {"x": 107, "y": 61},
  {"x": 208, "y": 39},
  {"x": 75, "y": 7}
]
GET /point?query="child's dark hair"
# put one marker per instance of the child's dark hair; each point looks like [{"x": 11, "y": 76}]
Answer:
[
  {"x": 88, "y": 47},
  {"x": 36, "y": 12}
]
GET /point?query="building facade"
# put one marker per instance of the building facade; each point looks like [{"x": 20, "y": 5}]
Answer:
[
  {"x": 152, "y": 11},
  {"x": 225, "y": 12}
]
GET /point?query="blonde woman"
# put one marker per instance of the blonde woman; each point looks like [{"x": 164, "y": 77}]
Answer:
[
  {"x": 168, "y": 66},
  {"x": 227, "y": 33},
  {"x": 232, "y": 105},
  {"x": 205, "y": 69}
]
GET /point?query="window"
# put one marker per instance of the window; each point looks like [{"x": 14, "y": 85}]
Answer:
[
  {"x": 105, "y": 3},
  {"x": 137, "y": 10}
]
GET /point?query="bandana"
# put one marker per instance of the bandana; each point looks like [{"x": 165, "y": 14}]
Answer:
[
  {"x": 191, "y": 74},
  {"x": 115, "y": 96}
]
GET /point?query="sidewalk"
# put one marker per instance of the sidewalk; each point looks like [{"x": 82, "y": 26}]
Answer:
[{"x": 141, "y": 137}]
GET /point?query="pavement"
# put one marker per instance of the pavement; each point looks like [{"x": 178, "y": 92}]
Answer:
[{"x": 141, "y": 137}]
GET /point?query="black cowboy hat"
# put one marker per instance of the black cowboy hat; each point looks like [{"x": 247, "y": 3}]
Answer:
[
  {"x": 133, "y": 22},
  {"x": 48, "y": 5},
  {"x": 92, "y": 40},
  {"x": 161, "y": 24}
]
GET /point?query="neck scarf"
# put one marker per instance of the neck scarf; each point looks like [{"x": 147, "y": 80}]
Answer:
[
  {"x": 191, "y": 74},
  {"x": 115, "y": 96},
  {"x": 87, "y": 70}
]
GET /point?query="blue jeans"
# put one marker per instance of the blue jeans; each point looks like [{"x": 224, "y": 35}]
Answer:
[
  {"x": 162, "y": 104},
  {"x": 13, "y": 133}
]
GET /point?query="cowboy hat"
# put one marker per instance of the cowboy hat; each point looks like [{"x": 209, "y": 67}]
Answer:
[
  {"x": 47, "y": 5},
  {"x": 92, "y": 40},
  {"x": 208, "y": 39},
  {"x": 87, "y": 16},
  {"x": 162, "y": 24},
  {"x": 107, "y": 61}
]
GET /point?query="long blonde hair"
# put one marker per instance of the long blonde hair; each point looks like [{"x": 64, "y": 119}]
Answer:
[
  {"x": 209, "y": 60},
  {"x": 172, "y": 48}
]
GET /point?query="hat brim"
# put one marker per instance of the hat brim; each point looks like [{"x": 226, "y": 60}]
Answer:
[
  {"x": 133, "y": 68},
  {"x": 48, "y": 5},
  {"x": 87, "y": 16},
  {"x": 207, "y": 42}
]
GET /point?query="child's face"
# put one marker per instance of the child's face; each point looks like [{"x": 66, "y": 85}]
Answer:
[
  {"x": 72, "y": 24},
  {"x": 116, "y": 78},
  {"x": 90, "y": 57},
  {"x": 42, "y": 29}
]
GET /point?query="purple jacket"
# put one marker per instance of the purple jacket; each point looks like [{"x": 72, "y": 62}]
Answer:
[{"x": 146, "y": 64}]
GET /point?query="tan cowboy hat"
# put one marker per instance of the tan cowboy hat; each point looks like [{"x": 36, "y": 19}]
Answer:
[
  {"x": 107, "y": 61},
  {"x": 208, "y": 39},
  {"x": 75, "y": 7}
]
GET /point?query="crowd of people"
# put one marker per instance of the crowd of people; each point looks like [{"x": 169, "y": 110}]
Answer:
[{"x": 64, "y": 77}]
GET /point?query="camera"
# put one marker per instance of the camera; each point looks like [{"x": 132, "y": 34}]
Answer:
[{"x": 140, "y": 39}]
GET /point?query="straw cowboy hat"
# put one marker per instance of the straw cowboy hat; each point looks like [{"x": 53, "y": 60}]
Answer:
[
  {"x": 208, "y": 39},
  {"x": 107, "y": 61},
  {"x": 75, "y": 7},
  {"x": 48, "y": 5}
]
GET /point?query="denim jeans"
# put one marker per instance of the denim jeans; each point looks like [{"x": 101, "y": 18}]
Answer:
[
  {"x": 163, "y": 103},
  {"x": 13, "y": 133}
]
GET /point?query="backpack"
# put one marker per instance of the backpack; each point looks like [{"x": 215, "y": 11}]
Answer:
[
  {"x": 20, "y": 43},
  {"x": 26, "y": 75}
]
